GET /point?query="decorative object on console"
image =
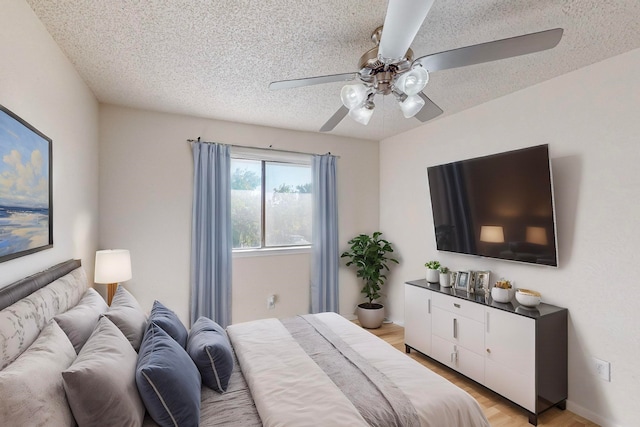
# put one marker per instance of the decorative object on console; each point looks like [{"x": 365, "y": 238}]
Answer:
[
  {"x": 481, "y": 281},
  {"x": 26, "y": 199},
  {"x": 112, "y": 267},
  {"x": 462, "y": 280},
  {"x": 369, "y": 255},
  {"x": 433, "y": 273},
  {"x": 527, "y": 297},
  {"x": 445, "y": 281},
  {"x": 453, "y": 278},
  {"x": 502, "y": 291}
]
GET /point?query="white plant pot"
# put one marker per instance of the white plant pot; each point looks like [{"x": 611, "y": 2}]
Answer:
[
  {"x": 370, "y": 318},
  {"x": 433, "y": 276},
  {"x": 445, "y": 280}
]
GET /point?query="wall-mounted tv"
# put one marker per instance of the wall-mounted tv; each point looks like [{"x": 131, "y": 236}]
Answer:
[{"x": 498, "y": 206}]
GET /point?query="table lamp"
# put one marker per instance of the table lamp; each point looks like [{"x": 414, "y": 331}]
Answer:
[{"x": 112, "y": 267}]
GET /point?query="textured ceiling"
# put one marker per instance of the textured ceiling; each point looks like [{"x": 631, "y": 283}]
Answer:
[{"x": 215, "y": 59}]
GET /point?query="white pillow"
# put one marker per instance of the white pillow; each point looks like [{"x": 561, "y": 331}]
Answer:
[{"x": 31, "y": 390}]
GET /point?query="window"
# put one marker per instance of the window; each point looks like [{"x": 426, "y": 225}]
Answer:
[{"x": 270, "y": 200}]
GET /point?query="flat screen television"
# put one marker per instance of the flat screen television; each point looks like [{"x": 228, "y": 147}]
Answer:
[{"x": 498, "y": 206}]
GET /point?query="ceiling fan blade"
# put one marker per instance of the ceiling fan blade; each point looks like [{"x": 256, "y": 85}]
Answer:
[
  {"x": 429, "y": 111},
  {"x": 335, "y": 119},
  {"x": 403, "y": 20},
  {"x": 491, "y": 51},
  {"x": 290, "y": 84}
]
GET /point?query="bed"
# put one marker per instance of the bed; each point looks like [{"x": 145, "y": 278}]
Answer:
[{"x": 307, "y": 370}]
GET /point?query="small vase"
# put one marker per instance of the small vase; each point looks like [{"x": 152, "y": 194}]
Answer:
[
  {"x": 445, "y": 281},
  {"x": 433, "y": 276}
]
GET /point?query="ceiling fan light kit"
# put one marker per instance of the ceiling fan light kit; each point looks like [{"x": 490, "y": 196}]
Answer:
[
  {"x": 389, "y": 68},
  {"x": 411, "y": 106},
  {"x": 353, "y": 96}
]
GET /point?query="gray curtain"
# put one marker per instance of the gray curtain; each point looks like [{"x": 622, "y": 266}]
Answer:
[
  {"x": 211, "y": 234},
  {"x": 325, "y": 257}
]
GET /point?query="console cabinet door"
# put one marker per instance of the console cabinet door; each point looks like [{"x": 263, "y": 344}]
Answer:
[
  {"x": 510, "y": 365},
  {"x": 417, "y": 318}
]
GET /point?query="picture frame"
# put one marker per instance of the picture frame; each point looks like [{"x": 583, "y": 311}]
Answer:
[
  {"x": 26, "y": 190},
  {"x": 452, "y": 278},
  {"x": 462, "y": 280},
  {"x": 482, "y": 281}
]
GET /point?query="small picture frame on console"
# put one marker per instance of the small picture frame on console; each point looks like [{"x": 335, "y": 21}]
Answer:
[
  {"x": 463, "y": 278},
  {"x": 452, "y": 278},
  {"x": 481, "y": 281}
]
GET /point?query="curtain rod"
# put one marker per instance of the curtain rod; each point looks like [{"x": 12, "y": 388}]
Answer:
[{"x": 260, "y": 148}]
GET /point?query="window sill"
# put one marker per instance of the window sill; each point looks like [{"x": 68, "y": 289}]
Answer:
[{"x": 248, "y": 253}]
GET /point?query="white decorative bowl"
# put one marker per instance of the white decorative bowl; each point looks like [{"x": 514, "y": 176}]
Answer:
[
  {"x": 527, "y": 297},
  {"x": 501, "y": 294}
]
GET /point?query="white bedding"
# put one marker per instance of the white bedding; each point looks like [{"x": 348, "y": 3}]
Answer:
[{"x": 290, "y": 389}]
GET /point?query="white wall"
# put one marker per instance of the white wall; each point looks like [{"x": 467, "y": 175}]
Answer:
[
  {"x": 590, "y": 120},
  {"x": 146, "y": 178},
  {"x": 39, "y": 84}
]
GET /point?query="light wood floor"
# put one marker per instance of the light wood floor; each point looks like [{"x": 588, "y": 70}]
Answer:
[{"x": 498, "y": 410}]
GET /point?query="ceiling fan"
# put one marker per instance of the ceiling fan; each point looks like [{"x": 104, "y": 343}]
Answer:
[{"x": 390, "y": 69}]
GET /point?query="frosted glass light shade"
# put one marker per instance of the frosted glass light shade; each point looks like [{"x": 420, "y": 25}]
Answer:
[
  {"x": 412, "y": 82},
  {"x": 361, "y": 115},
  {"x": 112, "y": 266},
  {"x": 492, "y": 234},
  {"x": 411, "y": 106},
  {"x": 353, "y": 95}
]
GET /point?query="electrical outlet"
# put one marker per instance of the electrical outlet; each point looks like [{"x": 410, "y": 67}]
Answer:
[
  {"x": 603, "y": 369},
  {"x": 271, "y": 302}
]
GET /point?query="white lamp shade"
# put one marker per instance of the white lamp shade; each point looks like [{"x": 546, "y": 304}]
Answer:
[
  {"x": 412, "y": 82},
  {"x": 361, "y": 115},
  {"x": 492, "y": 234},
  {"x": 537, "y": 235},
  {"x": 411, "y": 106},
  {"x": 353, "y": 95},
  {"x": 112, "y": 266}
]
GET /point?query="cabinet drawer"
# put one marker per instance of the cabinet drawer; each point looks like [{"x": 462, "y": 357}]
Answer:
[
  {"x": 458, "y": 329},
  {"x": 462, "y": 307},
  {"x": 457, "y": 357}
]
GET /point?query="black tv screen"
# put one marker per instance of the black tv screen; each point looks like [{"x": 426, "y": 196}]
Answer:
[{"x": 497, "y": 206}]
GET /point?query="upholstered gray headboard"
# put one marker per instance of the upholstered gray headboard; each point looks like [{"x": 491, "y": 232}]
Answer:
[{"x": 28, "y": 285}]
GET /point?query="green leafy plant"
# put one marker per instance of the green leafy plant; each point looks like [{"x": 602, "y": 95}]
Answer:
[
  {"x": 432, "y": 265},
  {"x": 444, "y": 270},
  {"x": 369, "y": 256}
]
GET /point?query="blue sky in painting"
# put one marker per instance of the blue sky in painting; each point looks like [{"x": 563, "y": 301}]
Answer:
[{"x": 24, "y": 165}]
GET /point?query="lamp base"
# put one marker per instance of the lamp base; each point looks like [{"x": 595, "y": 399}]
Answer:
[{"x": 111, "y": 291}]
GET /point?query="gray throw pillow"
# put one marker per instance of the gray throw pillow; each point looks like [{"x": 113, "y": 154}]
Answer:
[
  {"x": 127, "y": 315},
  {"x": 80, "y": 321},
  {"x": 31, "y": 390},
  {"x": 100, "y": 384}
]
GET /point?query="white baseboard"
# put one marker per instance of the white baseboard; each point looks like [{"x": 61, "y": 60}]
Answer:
[{"x": 590, "y": 415}]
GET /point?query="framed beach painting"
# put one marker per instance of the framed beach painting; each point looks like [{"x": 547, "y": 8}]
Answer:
[{"x": 25, "y": 188}]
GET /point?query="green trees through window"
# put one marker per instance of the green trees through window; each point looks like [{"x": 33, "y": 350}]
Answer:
[{"x": 270, "y": 204}]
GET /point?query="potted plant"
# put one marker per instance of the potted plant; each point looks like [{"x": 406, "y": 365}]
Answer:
[
  {"x": 368, "y": 253},
  {"x": 445, "y": 282},
  {"x": 433, "y": 274}
]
